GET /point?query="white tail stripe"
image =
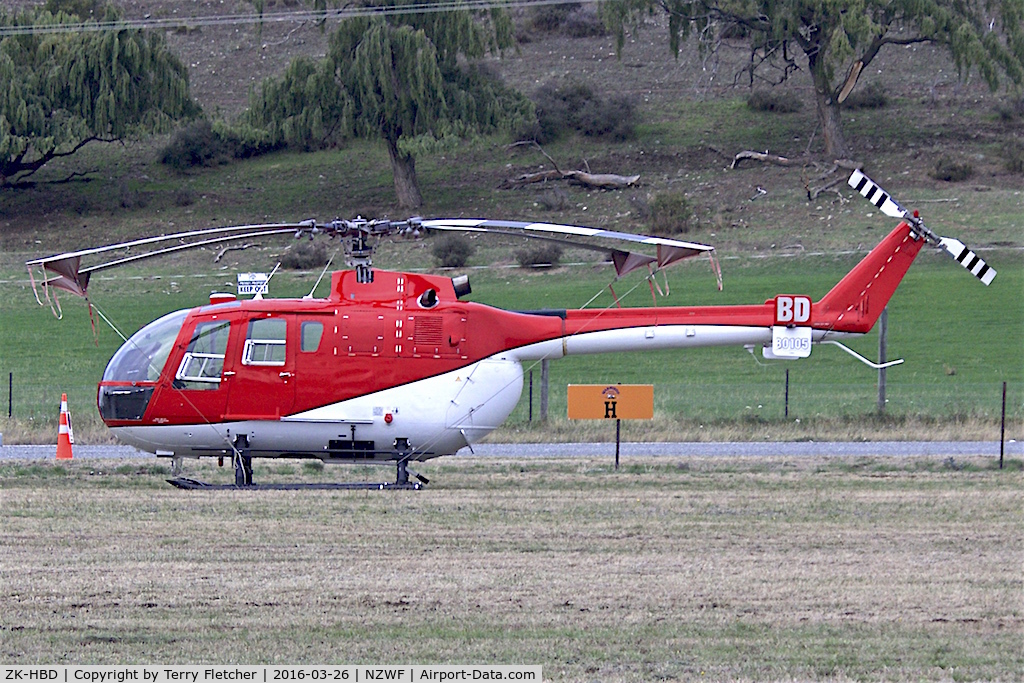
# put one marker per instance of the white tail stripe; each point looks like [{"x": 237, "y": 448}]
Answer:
[
  {"x": 968, "y": 259},
  {"x": 876, "y": 195}
]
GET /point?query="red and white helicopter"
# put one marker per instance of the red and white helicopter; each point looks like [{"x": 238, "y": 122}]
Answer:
[{"x": 394, "y": 367}]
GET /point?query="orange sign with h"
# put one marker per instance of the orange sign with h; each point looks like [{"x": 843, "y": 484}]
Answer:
[{"x": 611, "y": 401}]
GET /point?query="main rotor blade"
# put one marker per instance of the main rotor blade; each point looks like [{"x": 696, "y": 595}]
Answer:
[
  {"x": 668, "y": 250},
  {"x": 173, "y": 236},
  {"x": 72, "y": 277}
]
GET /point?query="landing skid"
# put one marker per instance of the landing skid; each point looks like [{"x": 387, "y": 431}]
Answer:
[
  {"x": 243, "y": 481},
  {"x": 195, "y": 484}
]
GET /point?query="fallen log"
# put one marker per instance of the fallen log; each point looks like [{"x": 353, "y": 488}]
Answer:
[
  {"x": 528, "y": 178},
  {"x": 599, "y": 181},
  {"x": 232, "y": 247},
  {"x": 761, "y": 156},
  {"x": 603, "y": 181}
]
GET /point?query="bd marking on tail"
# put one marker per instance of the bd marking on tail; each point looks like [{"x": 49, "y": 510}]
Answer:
[{"x": 790, "y": 310}]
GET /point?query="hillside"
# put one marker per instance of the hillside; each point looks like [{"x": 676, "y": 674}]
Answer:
[{"x": 692, "y": 120}]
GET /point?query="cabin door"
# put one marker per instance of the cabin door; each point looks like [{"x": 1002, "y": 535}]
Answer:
[
  {"x": 200, "y": 392},
  {"x": 261, "y": 377}
]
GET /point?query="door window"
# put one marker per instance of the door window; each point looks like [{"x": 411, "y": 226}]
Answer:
[
  {"x": 203, "y": 363},
  {"x": 311, "y": 332},
  {"x": 265, "y": 342}
]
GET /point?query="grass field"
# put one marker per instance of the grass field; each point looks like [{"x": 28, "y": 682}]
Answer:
[
  {"x": 669, "y": 569},
  {"x": 961, "y": 340}
]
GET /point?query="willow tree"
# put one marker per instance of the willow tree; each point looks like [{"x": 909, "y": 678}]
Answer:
[
  {"x": 840, "y": 38},
  {"x": 406, "y": 78},
  {"x": 60, "y": 90}
]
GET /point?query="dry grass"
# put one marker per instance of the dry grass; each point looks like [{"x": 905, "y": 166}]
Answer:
[
  {"x": 768, "y": 569},
  {"x": 851, "y": 428}
]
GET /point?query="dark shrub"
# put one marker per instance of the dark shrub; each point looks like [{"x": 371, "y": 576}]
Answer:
[
  {"x": 452, "y": 251},
  {"x": 184, "y": 196},
  {"x": 554, "y": 199},
  {"x": 951, "y": 171},
  {"x": 871, "y": 96},
  {"x": 773, "y": 101},
  {"x": 1012, "y": 110},
  {"x": 195, "y": 145},
  {"x": 305, "y": 255},
  {"x": 641, "y": 206},
  {"x": 83, "y": 9},
  {"x": 611, "y": 118},
  {"x": 551, "y": 17},
  {"x": 244, "y": 142},
  {"x": 576, "y": 107},
  {"x": 202, "y": 143},
  {"x": 539, "y": 256},
  {"x": 1013, "y": 153},
  {"x": 555, "y": 104},
  {"x": 131, "y": 197},
  {"x": 572, "y": 18},
  {"x": 672, "y": 213},
  {"x": 583, "y": 22}
]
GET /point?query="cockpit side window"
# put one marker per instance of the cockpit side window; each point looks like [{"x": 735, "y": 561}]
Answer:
[
  {"x": 265, "y": 342},
  {"x": 142, "y": 358},
  {"x": 203, "y": 363}
]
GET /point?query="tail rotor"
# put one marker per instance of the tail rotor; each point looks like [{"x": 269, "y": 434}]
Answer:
[{"x": 955, "y": 248}]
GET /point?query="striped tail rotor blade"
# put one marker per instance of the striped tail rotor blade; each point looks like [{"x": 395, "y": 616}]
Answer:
[
  {"x": 876, "y": 195},
  {"x": 968, "y": 259}
]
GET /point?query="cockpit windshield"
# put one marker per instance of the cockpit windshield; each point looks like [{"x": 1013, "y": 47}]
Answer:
[{"x": 142, "y": 358}]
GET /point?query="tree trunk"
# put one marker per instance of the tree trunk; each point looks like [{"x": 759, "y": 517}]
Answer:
[
  {"x": 403, "y": 166},
  {"x": 828, "y": 111}
]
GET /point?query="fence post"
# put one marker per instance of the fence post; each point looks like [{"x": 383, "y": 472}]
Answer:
[
  {"x": 883, "y": 332},
  {"x": 786, "y": 415},
  {"x": 1002, "y": 430},
  {"x": 544, "y": 390},
  {"x": 618, "y": 440},
  {"x": 10, "y": 394},
  {"x": 531, "y": 397}
]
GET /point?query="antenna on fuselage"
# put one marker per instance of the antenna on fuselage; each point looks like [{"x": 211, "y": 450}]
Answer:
[
  {"x": 320, "y": 279},
  {"x": 266, "y": 284}
]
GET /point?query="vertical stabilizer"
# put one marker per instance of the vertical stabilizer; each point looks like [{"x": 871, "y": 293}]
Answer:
[{"x": 857, "y": 301}]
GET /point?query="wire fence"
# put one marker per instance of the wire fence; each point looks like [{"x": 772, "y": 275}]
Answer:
[
  {"x": 31, "y": 402},
  {"x": 782, "y": 400}
]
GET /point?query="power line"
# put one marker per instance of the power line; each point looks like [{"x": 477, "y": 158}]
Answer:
[{"x": 297, "y": 16}]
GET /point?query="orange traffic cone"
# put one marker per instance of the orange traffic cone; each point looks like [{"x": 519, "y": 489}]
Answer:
[{"x": 65, "y": 437}]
